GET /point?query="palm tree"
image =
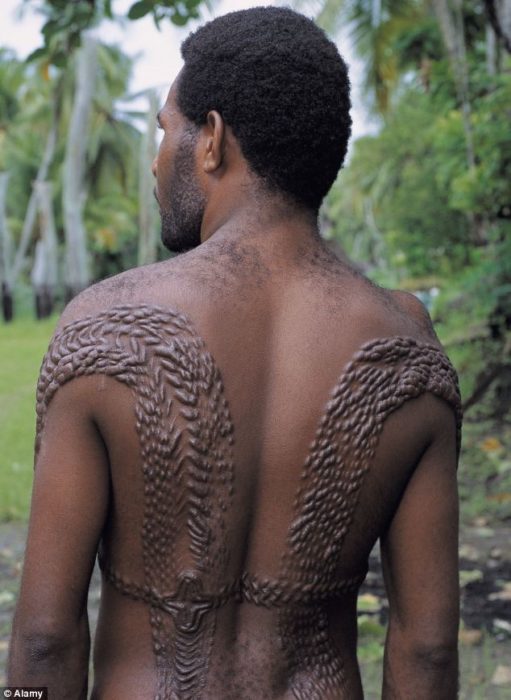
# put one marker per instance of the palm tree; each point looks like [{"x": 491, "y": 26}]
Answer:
[
  {"x": 375, "y": 26},
  {"x": 5, "y": 252},
  {"x": 45, "y": 269},
  {"x": 73, "y": 190},
  {"x": 499, "y": 15},
  {"x": 147, "y": 206},
  {"x": 34, "y": 147}
]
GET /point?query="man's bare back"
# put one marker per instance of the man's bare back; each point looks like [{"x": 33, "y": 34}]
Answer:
[
  {"x": 231, "y": 431},
  {"x": 252, "y": 451}
]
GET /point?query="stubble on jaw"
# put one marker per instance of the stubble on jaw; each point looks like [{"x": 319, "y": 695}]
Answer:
[{"x": 181, "y": 215}]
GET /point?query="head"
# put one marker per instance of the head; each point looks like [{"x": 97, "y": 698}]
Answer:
[{"x": 280, "y": 87}]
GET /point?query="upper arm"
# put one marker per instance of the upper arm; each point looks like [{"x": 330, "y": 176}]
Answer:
[
  {"x": 420, "y": 547},
  {"x": 68, "y": 510}
]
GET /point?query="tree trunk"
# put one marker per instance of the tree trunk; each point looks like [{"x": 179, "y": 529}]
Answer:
[
  {"x": 5, "y": 253},
  {"x": 376, "y": 13},
  {"x": 450, "y": 19},
  {"x": 42, "y": 175},
  {"x": 45, "y": 269},
  {"x": 505, "y": 21},
  {"x": 499, "y": 16},
  {"x": 148, "y": 216},
  {"x": 491, "y": 50},
  {"x": 73, "y": 191},
  {"x": 30, "y": 215}
]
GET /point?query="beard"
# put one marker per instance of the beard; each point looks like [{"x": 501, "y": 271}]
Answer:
[{"x": 181, "y": 215}]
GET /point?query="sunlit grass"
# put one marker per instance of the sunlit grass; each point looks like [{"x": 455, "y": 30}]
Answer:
[{"x": 22, "y": 346}]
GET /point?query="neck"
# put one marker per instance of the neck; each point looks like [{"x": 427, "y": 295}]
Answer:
[{"x": 268, "y": 222}]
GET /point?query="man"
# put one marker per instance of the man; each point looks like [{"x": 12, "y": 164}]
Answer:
[{"x": 232, "y": 430}]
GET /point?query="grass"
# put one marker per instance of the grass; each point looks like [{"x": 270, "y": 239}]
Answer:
[{"x": 22, "y": 346}]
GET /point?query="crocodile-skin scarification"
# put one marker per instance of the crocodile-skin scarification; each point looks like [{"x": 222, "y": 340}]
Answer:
[
  {"x": 382, "y": 375},
  {"x": 188, "y": 471},
  {"x": 186, "y": 436}
]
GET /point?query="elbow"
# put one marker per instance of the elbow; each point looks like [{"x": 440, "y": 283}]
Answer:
[
  {"x": 429, "y": 649},
  {"x": 421, "y": 670},
  {"x": 37, "y": 648},
  {"x": 41, "y": 647},
  {"x": 32, "y": 652},
  {"x": 32, "y": 657},
  {"x": 424, "y": 657},
  {"x": 434, "y": 656}
]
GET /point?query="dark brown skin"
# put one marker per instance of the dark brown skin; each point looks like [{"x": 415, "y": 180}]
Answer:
[{"x": 257, "y": 599}]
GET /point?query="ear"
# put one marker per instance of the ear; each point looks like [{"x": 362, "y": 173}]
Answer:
[{"x": 215, "y": 142}]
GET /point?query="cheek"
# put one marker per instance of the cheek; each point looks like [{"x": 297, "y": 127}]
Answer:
[{"x": 164, "y": 160}]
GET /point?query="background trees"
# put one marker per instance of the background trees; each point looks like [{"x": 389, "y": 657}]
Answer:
[
  {"x": 60, "y": 122},
  {"x": 425, "y": 203}
]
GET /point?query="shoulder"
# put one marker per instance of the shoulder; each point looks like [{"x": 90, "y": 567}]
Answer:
[
  {"x": 90, "y": 301},
  {"x": 415, "y": 313},
  {"x": 380, "y": 312},
  {"x": 130, "y": 287},
  {"x": 441, "y": 381},
  {"x": 412, "y": 305}
]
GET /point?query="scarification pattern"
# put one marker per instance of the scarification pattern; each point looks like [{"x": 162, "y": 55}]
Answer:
[
  {"x": 188, "y": 471},
  {"x": 382, "y": 375},
  {"x": 186, "y": 437},
  {"x": 314, "y": 663}
]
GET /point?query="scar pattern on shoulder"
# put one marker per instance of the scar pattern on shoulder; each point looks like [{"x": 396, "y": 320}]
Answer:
[
  {"x": 188, "y": 472},
  {"x": 189, "y": 477},
  {"x": 380, "y": 378}
]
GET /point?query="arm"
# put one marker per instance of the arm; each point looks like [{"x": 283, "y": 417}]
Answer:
[
  {"x": 420, "y": 567},
  {"x": 50, "y": 635}
]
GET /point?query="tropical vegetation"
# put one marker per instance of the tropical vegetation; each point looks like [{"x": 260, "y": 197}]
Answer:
[{"x": 424, "y": 203}]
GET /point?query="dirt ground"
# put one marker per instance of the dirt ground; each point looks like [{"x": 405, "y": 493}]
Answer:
[{"x": 485, "y": 637}]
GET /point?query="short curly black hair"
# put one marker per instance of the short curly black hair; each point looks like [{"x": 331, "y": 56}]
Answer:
[{"x": 282, "y": 87}]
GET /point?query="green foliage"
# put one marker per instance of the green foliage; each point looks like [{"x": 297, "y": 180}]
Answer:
[
  {"x": 66, "y": 21},
  {"x": 486, "y": 189},
  {"x": 111, "y": 222},
  {"x": 35, "y": 97},
  {"x": 140, "y": 9},
  {"x": 64, "y": 26},
  {"x": 177, "y": 11},
  {"x": 377, "y": 32},
  {"x": 410, "y": 211},
  {"x": 395, "y": 176},
  {"x": 11, "y": 81},
  {"x": 23, "y": 128}
]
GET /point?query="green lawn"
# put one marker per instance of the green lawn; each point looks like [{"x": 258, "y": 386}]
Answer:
[{"x": 22, "y": 346}]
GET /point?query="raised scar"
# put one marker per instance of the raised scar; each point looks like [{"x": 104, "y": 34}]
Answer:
[{"x": 175, "y": 382}]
